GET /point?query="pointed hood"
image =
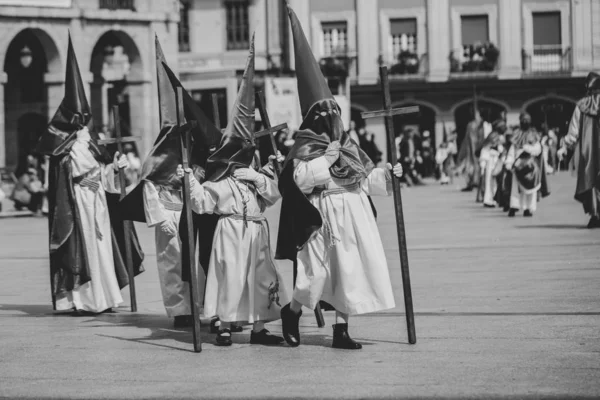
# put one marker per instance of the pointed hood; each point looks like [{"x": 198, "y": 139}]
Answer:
[
  {"x": 72, "y": 114},
  {"x": 237, "y": 145},
  {"x": 167, "y": 100},
  {"x": 312, "y": 85}
]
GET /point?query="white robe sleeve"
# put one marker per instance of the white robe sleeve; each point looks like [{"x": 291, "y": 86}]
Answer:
[
  {"x": 510, "y": 157},
  {"x": 82, "y": 160},
  {"x": 110, "y": 179},
  {"x": 153, "y": 208},
  {"x": 204, "y": 197},
  {"x": 377, "y": 184},
  {"x": 572, "y": 135},
  {"x": 309, "y": 174},
  {"x": 268, "y": 191}
]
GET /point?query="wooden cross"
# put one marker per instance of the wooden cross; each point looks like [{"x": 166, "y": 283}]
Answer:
[
  {"x": 187, "y": 210},
  {"x": 387, "y": 113},
  {"x": 127, "y": 225},
  {"x": 269, "y": 130}
]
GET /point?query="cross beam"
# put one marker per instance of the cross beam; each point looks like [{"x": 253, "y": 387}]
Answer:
[
  {"x": 127, "y": 225},
  {"x": 388, "y": 112}
]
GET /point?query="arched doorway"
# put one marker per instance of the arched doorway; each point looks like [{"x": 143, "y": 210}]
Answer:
[
  {"x": 489, "y": 110},
  {"x": 117, "y": 71},
  {"x": 30, "y": 55},
  {"x": 555, "y": 111}
]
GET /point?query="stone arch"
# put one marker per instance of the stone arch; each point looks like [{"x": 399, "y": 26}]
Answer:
[
  {"x": 559, "y": 110},
  {"x": 112, "y": 81},
  {"x": 416, "y": 102},
  {"x": 491, "y": 109},
  {"x": 30, "y": 57},
  {"x": 480, "y": 99},
  {"x": 45, "y": 36}
]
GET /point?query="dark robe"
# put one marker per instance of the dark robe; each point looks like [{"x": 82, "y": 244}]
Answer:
[
  {"x": 530, "y": 170},
  {"x": 587, "y": 155},
  {"x": 468, "y": 160}
]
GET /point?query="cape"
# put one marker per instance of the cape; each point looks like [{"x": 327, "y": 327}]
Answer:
[
  {"x": 299, "y": 218},
  {"x": 587, "y": 153},
  {"x": 69, "y": 266},
  {"x": 468, "y": 162},
  {"x": 530, "y": 170}
]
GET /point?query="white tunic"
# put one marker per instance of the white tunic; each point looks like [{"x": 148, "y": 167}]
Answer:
[
  {"x": 102, "y": 292},
  {"x": 242, "y": 276},
  {"x": 162, "y": 204},
  {"x": 488, "y": 160},
  {"x": 344, "y": 262}
]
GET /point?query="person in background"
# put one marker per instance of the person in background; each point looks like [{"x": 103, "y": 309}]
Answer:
[
  {"x": 370, "y": 147},
  {"x": 132, "y": 173},
  {"x": 29, "y": 192},
  {"x": 427, "y": 154}
]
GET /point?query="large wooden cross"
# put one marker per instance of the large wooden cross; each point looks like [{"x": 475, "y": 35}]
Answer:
[
  {"x": 127, "y": 225},
  {"x": 269, "y": 131},
  {"x": 387, "y": 113},
  {"x": 187, "y": 210}
]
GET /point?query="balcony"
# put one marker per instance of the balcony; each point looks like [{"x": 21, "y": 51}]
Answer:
[
  {"x": 117, "y": 5},
  {"x": 547, "y": 60},
  {"x": 406, "y": 66},
  {"x": 479, "y": 60}
]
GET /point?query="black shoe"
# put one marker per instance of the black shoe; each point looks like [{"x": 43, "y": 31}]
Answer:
[
  {"x": 512, "y": 212},
  {"x": 289, "y": 324},
  {"x": 341, "y": 339},
  {"x": 224, "y": 337},
  {"x": 594, "y": 223},
  {"x": 264, "y": 337},
  {"x": 527, "y": 213},
  {"x": 183, "y": 321},
  {"x": 467, "y": 189},
  {"x": 506, "y": 208},
  {"x": 236, "y": 328},
  {"x": 489, "y": 205}
]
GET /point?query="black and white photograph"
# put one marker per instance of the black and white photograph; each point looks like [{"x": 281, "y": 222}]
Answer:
[{"x": 299, "y": 199}]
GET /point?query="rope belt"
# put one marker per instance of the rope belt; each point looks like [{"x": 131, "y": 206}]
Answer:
[
  {"x": 171, "y": 206},
  {"x": 339, "y": 190},
  {"x": 240, "y": 217},
  {"x": 92, "y": 182}
]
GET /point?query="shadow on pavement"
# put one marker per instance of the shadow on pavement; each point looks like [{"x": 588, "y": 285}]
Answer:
[{"x": 554, "y": 226}]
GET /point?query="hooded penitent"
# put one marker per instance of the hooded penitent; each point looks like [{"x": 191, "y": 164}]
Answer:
[
  {"x": 322, "y": 124},
  {"x": 587, "y": 152},
  {"x": 68, "y": 259},
  {"x": 467, "y": 160},
  {"x": 237, "y": 146},
  {"x": 529, "y": 170}
]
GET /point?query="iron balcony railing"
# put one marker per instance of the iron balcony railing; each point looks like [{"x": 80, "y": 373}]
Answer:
[
  {"x": 474, "y": 60},
  {"x": 117, "y": 4},
  {"x": 406, "y": 65},
  {"x": 547, "y": 60}
]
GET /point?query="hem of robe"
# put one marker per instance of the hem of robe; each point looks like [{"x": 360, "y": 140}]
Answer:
[
  {"x": 178, "y": 311},
  {"x": 364, "y": 307},
  {"x": 246, "y": 320},
  {"x": 66, "y": 301},
  {"x": 522, "y": 190}
]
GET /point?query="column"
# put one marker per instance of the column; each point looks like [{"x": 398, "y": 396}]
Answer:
[
  {"x": 55, "y": 88},
  {"x": 367, "y": 24},
  {"x": 581, "y": 20},
  {"x": 140, "y": 101},
  {"x": 273, "y": 31},
  {"x": 510, "y": 39},
  {"x": 302, "y": 10},
  {"x": 438, "y": 39},
  {"x": 258, "y": 14},
  {"x": 3, "y": 79}
]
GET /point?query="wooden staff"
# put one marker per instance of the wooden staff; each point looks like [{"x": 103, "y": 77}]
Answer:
[
  {"x": 187, "y": 209},
  {"x": 388, "y": 112},
  {"x": 268, "y": 131},
  {"x": 127, "y": 225}
]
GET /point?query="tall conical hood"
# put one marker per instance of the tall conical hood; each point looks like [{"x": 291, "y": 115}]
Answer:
[
  {"x": 312, "y": 86},
  {"x": 237, "y": 146},
  {"x": 167, "y": 100},
  {"x": 72, "y": 114}
]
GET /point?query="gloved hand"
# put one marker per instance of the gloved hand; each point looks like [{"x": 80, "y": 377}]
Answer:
[
  {"x": 180, "y": 172},
  {"x": 120, "y": 161},
  {"x": 333, "y": 152},
  {"x": 169, "y": 228},
  {"x": 561, "y": 153},
  {"x": 397, "y": 170},
  {"x": 246, "y": 174}
]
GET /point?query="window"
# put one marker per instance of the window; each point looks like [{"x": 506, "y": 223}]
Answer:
[
  {"x": 238, "y": 26},
  {"x": 117, "y": 4},
  {"x": 403, "y": 36},
  {"x": 184, "y": 26},
  {"x": 546, "y": 29},
  {"x": 474, "y": 29},
  {"x": 335, "y": 38}
]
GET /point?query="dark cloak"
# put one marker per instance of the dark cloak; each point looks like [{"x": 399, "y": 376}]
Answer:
[
  {"x": 468, "y": 161},
  {"x": 587, "y": 154}
]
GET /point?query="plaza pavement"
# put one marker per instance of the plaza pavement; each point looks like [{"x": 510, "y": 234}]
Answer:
[{"x": 505, "y": 308}]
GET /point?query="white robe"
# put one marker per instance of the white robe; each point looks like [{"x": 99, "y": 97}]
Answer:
[
  {"x": 175, "y": 292},
  {"x": 521, "y": 198},
  {"x": 242, "y": 272},
  {"x": 488, "y": 160},
  {"x": 102, "y": 291},
  {"x": 344, "y": 262}
]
